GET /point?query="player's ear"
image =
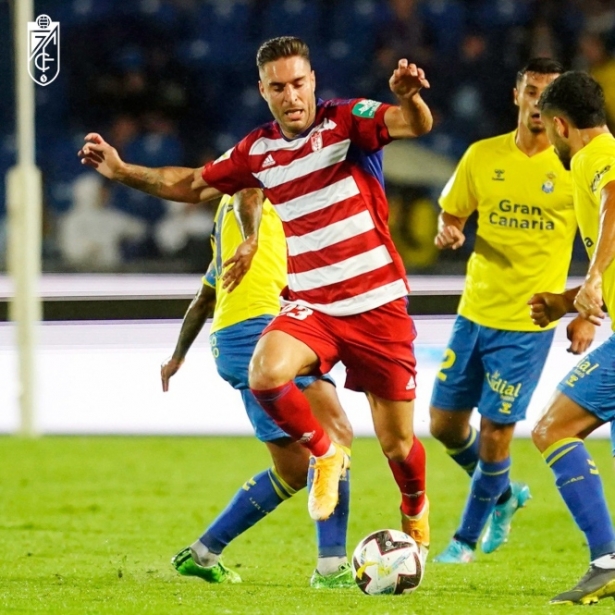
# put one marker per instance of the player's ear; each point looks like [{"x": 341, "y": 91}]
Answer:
[
  {"x": 516, "y": 97},
  {"x": 261, "y": 89},
  {"x": 562, "y": 127}
]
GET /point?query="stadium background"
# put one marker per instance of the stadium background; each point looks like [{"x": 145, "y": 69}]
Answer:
[{"x": 174, "y": 82}]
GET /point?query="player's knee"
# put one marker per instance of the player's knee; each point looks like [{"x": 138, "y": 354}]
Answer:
[
  {"x": 495, "y": 442},
  {"x": 443, "y": 430},
  {"x": 265, "y": 374},
  {"x": 396, "y": 448},
  {"x": 541, "y": 435}
]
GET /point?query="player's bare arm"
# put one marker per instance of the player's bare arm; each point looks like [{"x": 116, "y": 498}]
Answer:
[
  {"x": 171, "y": 183},
  {"x": 450, "y": 231},
  {"x": 412, "y": 118},
  {"x": 200, "y": 309},
  {"x": 248, "y": 208},
  {"x": 547, "y": 307},
  {"x": 589, "y": 299},
  {"x": 580, "y": 333}
]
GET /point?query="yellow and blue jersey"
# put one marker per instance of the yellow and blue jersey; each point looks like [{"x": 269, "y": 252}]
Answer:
[
  {"x": 593, "y": 167},
  {"x": 526, "y": 227},
  {"x": 259, "y": 291}
]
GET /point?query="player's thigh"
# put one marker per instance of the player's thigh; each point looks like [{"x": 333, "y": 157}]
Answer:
[
  {"x": 458, "y": 383},
  {"x": 326, "y": 406},
  {"x": 295, "y": 343},
  {"x": 232, "y": 349},
  {"x": 393, "y": 424},
  {"x": 585, "y": 398},
  {"x": 377, "y": 348},
  {"x": 512, "y": 364}
]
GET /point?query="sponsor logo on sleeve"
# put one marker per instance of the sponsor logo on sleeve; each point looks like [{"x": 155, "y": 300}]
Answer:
[
  {"x": 366, "y": 108},
  {"x": 598, "y": 176}
]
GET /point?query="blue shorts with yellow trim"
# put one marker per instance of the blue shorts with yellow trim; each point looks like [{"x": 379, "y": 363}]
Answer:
[
  {"x": 493, "y": 370},
  {"x": 591, "y": 383},
  {"x": 232, "y": 348}
]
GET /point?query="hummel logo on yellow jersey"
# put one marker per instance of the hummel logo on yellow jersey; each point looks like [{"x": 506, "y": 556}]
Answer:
[{"x": 499, "y": 175}]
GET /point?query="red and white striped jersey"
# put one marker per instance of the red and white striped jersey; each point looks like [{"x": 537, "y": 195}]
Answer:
[{"x": 327, "y": 187}]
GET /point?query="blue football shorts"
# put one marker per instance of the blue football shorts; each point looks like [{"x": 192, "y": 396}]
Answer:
[
  {"x": 591, "y": 383},
  {"x": 232, "y": 348},
  {"x": 490, "y": 369}
]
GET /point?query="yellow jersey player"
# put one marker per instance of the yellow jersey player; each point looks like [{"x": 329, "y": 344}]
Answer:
[
  {"x": 526, "y": 227},
  {"x": 575, "y": 119},
  {"x": 238, "y": 320}
]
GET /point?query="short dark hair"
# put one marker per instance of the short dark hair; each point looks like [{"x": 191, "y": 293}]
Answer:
[
  {"x": 541, "y": 66},
  {"x": 281, "y": 47},
  {"x": 578, "y": 96}
]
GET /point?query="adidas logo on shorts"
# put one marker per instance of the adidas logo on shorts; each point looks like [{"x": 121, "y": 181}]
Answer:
[{"x": 411, "y": 384}]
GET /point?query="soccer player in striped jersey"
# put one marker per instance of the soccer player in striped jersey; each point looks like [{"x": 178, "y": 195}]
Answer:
[
  {"x": 320, "y": 165},
  {"x": 526, "y": 226},
  {"x": 575, "y": 118},
  {"x": 239, "y": 318}
]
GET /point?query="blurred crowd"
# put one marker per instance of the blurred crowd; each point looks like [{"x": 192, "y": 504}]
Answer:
[{"x": 173, "y": 82}]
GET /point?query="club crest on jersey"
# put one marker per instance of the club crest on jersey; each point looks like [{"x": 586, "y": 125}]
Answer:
[
  {"x": 548, "y": 186},
  {"x": 366, "y": 108},
  {"x": 316, "y": 141}
]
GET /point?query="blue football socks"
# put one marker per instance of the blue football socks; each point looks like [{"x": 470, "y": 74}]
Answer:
[
  {"x": 489, "y": 481},
  {"x": 466, "y": 455},
  {"x": 331, "y": 533},
  {"x": 578, "y": 481},
  {"x": 255, "y": 500}
]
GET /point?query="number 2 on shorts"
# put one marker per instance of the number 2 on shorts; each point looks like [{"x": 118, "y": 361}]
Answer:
[{"x": 447, "y": 361}]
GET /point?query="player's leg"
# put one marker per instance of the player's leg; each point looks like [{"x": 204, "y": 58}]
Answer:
[
  {"x": 232, "y": 348},
  {"x": 377, "y": 349},
  {"x": 456, "y": 392},
  {"x": 332, "y": 568},
  {"x": 490, "y": 489},
  {"x": 297, "y": 342},
  {"x": 585, "y": 399},
  {"x": 393, "y": 424},
  {"x": 517, "y": 358}
]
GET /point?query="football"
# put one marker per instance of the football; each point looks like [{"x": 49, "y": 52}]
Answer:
[{"x": 387, "y": 562}]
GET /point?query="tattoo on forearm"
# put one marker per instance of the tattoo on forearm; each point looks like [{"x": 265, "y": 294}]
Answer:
[
  {"x": 248, "y": 210},
  {"x": 145, "y": 179},
  {"x": 193, "y": 322}
]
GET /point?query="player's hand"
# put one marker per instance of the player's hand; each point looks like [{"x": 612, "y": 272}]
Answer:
[
  {"x": 99, "y": 155},
  {"x": 169, "y": 368},
  {"x": 588, "y": 301},
  {"x": 581, "y": 334},
  {"x": 449, "y": 237},
  {"x": 547, "y": 307},
  {"x": 239, "y": 264},
  {"x": 407, "y": 80}
]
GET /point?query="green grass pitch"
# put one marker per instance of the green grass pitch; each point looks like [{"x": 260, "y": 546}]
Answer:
[{"x": 88, "y": 525}]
